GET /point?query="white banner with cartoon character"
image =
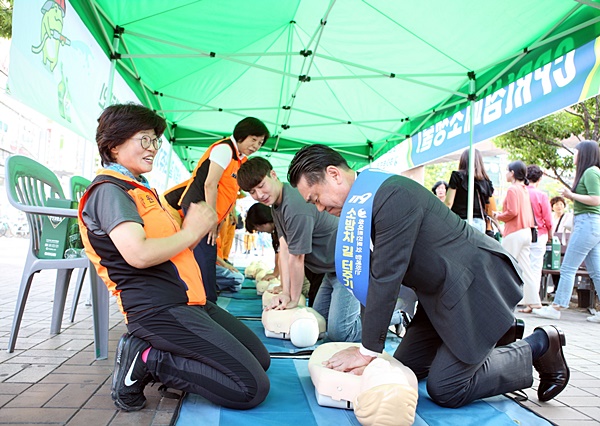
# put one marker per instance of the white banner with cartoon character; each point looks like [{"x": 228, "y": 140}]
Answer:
[{"x": 57, "y": 68}]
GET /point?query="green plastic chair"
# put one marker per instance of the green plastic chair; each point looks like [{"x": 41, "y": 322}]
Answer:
[
  {"x": 28, "y": 185},
  {"x": 78, "y": 186}
]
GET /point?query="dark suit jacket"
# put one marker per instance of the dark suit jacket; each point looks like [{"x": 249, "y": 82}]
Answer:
[{"x": 466, "y": 282}]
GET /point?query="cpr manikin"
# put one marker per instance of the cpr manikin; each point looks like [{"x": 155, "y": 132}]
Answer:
[
  {"x": 268, "y": 296},
  {"x": 253, "y": 268},
  {"x": 266, "y": 285},
  {"x": 260, "y": 274},
  {"x": 385, "y": 394},
  {"x": 303, "y": 326}
]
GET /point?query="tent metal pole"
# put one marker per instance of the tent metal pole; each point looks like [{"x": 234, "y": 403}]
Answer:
[
  {"x": 170, "y": 157},
  {"x": 113, "y": 67},
  {"x": 472, "y": 91},
  {"x": 386, "y": 73},
  {"x": 225, "y": 110},
  {"x": 285, "y": 84},
  {"x": 95, "y": 8},
  {"x": 589, "y": 3},
  {"x": 307, "y": 62}
]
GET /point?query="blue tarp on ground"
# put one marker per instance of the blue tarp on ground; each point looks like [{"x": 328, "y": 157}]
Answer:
[{"x": 292, "y": 397}]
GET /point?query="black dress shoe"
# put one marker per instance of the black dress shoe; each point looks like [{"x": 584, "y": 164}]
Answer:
[
  {"x": 514, "y": 333},
  {"x": 552, "y": 366}
]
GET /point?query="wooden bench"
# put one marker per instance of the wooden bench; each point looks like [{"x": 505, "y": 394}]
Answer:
[{"x": 586, "y": 294}]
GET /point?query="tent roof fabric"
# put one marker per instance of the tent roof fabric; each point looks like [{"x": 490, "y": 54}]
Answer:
[{"x": 359, "y": 76}]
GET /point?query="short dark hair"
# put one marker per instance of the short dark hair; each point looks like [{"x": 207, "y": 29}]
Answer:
[
  {"x": 252, "y": 172},
  {"x": 311, "y": 162},
  {"x": 557, "y": 199},
  {"x": 258, "y": 214},
  {"x": 534, "y": 173},
  {"x": 250, "y": 126},
  {"x": 438, "y": 183},
  {"x": 119, "y": 122},
  {"x": 520, "y": 170}
]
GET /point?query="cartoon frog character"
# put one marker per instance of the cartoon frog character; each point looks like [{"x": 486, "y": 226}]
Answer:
[{"x": 51, "y": 32}]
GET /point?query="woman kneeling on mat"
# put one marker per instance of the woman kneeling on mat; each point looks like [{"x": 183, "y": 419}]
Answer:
[{"x": 175, "y": 336}]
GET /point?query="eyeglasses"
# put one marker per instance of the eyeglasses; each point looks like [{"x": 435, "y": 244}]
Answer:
[{"x": 146, "y": 141}]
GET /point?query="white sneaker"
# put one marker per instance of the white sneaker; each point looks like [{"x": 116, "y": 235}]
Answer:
[
  {"x": 548, "y": 312},
  {"x": 594, "y": 318}
]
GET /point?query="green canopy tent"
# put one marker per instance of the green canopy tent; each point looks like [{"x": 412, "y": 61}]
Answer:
[{"x": 360, "y": 76}]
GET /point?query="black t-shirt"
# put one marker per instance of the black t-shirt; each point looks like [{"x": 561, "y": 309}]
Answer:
[
  {"x": 239, "y": 224},
  {"x": 459, "y": 181}
]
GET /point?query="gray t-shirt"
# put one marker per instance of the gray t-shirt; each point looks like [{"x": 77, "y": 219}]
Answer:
[
  {"x": 108, "y": 206},
  {"x": 306, "y": 230}
]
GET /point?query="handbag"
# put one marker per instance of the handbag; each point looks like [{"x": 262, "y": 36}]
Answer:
[
  {"x": 534, "y": 231},
  {"x": 490, "y": 222},
  {"x": 534, "y": 234},
  {"x": 494, "y": 233}
]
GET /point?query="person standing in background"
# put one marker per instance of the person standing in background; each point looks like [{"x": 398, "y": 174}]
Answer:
[
  {"x": 562, "y": 219},
  {"x": 584, "y": 244},
  {"x": 457, "y": 195},
  {"x": 563, "y": 224},
  {"x": 543, "y": 219},
  {"x": 439, "y": 189},
  {"x": 517, "y": 216}
]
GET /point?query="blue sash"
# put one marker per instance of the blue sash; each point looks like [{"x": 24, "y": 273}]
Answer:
[{"x": 352, "y": 247}]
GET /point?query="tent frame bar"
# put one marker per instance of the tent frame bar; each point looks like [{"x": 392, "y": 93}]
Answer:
[{"x": 450, "y": 102}]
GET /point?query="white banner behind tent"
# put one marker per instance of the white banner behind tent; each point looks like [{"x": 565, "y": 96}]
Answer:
[{"x": 57, "y": 68}]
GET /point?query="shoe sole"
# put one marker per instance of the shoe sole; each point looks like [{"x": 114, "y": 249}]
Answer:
[
  {"x": 563, "y": 342},
  {"x": 119, "y": 372}
]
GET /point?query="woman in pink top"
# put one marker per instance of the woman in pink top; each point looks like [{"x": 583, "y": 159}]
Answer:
[
  {"x": 517, "y": 216},
  {"x": 543, "y": 219}
]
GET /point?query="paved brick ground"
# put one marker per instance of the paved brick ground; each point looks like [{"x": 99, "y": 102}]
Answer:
[{"x": 55, "y": 379}]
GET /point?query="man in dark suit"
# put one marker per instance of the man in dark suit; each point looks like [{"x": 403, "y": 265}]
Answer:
[{"x": 467, "y": 284}]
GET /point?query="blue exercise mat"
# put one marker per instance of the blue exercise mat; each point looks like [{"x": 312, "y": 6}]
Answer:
[
  {"x": 251, "y": 308},
  {"x": 244, "y": 293},
  {"x": 292, "y": 401},
  {"x": 292, "y": 397},
  {"x": 275, "y": 345}
]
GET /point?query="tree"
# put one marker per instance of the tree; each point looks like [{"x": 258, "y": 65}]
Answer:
[
  {"x": 438, "y": 171},
  {"x": 542, "y": 142},
  {"x": 6, "y": 8}
]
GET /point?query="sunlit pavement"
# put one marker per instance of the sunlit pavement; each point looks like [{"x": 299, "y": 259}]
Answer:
[{"x": 55, "y": 379}]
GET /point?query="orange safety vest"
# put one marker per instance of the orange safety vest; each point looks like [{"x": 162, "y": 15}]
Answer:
[
  {"x": 228, "y": 187},
  {"x": 140, "y": 292}
]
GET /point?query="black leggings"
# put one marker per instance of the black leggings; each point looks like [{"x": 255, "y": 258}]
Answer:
[{"x": 207, "y": 351}]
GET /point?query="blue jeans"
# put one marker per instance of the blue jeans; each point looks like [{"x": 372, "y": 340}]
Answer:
[
  {"x": 340, "y": 309},
  {"x": 227, "y": 280},
  {"x": 206, "y": 257},
  {"x": 583, "y": 245},
  {"x": 478, "y": 223}
]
